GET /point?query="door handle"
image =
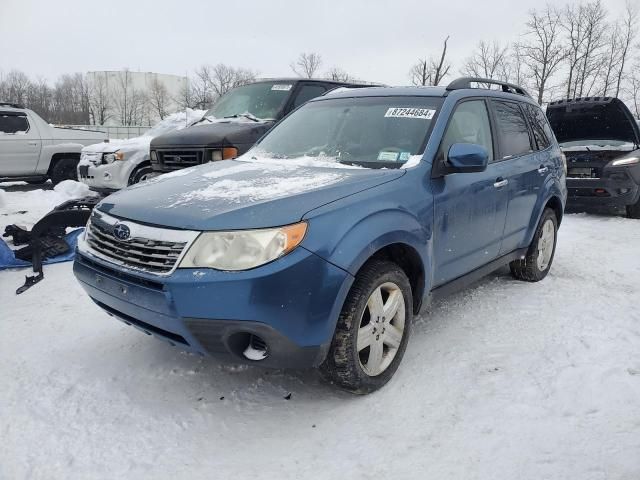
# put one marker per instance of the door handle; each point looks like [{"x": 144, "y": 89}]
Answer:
[
  {"x": 33, "y": 144},
  {"x": 543, "y": 169},
  {"x": 501, "y": 182}
]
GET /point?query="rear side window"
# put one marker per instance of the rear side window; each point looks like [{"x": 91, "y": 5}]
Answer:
[
  {"x": 512, "y": 127},
  {"x": 469, "y": 124},
  {"x": 306, "y": 93},
  {"x": 538, "y": 121},
  {"x": 11, "y": 123}
]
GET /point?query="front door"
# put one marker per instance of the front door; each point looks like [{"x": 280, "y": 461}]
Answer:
[
  {"x": 20, "y": 144},
  {"x": 470, "y": 208}
]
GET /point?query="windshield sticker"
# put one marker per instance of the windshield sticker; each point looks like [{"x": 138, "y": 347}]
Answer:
[
  {"x": 408, "y": 112},
  {"x": 282, "y": 87},
  {"x": 404, "y": 156},
  {"x": 388, "y": 156}
]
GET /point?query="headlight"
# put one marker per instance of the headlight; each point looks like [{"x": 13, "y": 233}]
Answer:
[
  {"x": 623, "y": 162},
  {"x": 243, "y": 249},
  {"x": 154, "y": 156},
  {"x": 223, "y": 154},
  {"x": 112, "y": 157}
]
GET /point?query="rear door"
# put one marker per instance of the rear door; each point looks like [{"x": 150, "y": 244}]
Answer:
[
  {"x": 526, "y": 167},
  {"x": 470, "y": 208},
  {"x": 20, "y": 144}
]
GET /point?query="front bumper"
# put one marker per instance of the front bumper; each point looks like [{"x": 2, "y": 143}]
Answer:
[
  {"x": 106, "y": 177},
  {"x": 616, "y": 189},
  {"x": 292, "y": 304}
]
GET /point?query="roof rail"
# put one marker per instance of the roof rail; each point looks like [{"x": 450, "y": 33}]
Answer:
[
  {"x": 12, "y": 105},
  {"x": 465, "y": 82}
]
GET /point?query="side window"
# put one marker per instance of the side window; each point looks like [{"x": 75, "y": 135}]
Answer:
[
  {"x": 12, "y": 123},
  {"x": 537, "y": 121},
  {"x": 469, "y": 124},
  {"x": 306, "y": 93},
  {"x": 513, "y": 133}
]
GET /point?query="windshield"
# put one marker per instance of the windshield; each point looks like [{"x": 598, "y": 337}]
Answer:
[
  {"x": 373, "y": 132},
  {"x": 262, "y": 100}
]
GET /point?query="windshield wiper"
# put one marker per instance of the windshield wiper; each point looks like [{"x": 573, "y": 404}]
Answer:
[{"x": 245, "y": 115}]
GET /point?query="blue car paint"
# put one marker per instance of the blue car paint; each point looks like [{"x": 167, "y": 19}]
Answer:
[{"x": 453, "y": 224}]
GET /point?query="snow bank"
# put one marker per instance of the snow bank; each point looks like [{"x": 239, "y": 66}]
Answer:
[
  {"x": 506, "y": 380},
  {"x": 25, "y": 204},
  {"x": 72, "y": 189}
]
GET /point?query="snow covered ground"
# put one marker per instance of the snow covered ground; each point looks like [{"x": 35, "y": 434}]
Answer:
[{"x": 506, "y": 380}]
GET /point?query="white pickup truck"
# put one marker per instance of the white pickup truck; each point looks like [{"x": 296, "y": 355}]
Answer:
[{"x": 34, "y": 151}]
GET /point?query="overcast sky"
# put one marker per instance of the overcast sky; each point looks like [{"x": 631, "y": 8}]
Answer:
[{"x": 373, "y": 40}]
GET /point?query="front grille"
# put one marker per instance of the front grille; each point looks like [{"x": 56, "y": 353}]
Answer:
[
  {"x": 150, "y": 249},
  {"x": 176, "y": 159}
]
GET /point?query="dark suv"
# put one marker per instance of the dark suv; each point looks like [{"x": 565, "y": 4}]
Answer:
[
  {"x": 601, "y": 141},
  {"x": 237, "y": 120},
  {"x": 319, "y": 245}
]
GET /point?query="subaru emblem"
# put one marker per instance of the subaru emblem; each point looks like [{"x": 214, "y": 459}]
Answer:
[{"x": 121, "y": 231}]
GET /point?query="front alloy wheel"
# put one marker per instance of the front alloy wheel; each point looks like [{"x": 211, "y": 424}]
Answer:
[
  {"x": 381, "y": 329},
  {"x": 373, "y": 329}
]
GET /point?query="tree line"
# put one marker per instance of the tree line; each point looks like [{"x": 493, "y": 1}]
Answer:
[{"x": 563, "y": 52}]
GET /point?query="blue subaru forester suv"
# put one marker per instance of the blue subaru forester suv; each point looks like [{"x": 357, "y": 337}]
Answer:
[{"x": 318, "y": 246}]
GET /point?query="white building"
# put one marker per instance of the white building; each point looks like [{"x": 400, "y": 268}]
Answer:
[{"x": 134, "y": 98}]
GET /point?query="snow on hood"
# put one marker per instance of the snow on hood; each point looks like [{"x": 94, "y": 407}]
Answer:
[
  {"x": 176, "y": 121},
  {"x": 237, "y": 194}
]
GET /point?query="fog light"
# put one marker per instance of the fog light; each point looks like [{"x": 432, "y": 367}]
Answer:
[{"x": 107, "y": 176}]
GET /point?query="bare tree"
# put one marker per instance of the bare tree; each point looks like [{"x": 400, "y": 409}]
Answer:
[
  {"x": 629, "y": 32},
  {"x": 635, "y": 90},
  {"x": 130, "y": 103},
  {"x": 17, "y": 86},
  {"x": 430, "y": 71},
  {"x": 338, "y": 75},
  {"x": 224, "y": 78},
  {"x": 488, "y": 60},
  {"x": 158, "y": 98},
  {"x": 542, "y": 51},
  {"x": 573, "y": 26},
  {"x": 594, "y": 25},
  {"x": 186, "y": 97},
  {"x": 99, "y": 99},
  {"x": 307, "y": 64}
]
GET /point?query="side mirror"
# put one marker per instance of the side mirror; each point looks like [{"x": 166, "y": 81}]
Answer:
[{"x": 466, "y": 158}]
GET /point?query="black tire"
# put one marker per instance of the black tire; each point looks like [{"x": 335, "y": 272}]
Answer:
[
  {"x": 40, "y": 181},
  {"x": 64, "y": 169},
  {"x": 527, "y": 269},
  {"x": 139, "y": 174},
  {"x": 343, "y": 365},
  {"x": 633, "y": 211}
]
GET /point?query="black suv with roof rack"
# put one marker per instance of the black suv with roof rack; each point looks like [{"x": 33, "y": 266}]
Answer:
[
  {"x": 601, "y": 141},
  {"x": 237, "y": 120}
]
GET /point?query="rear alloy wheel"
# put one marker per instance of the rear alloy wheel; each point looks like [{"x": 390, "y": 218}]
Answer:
[
  {"x": 64, "y": 169},
  {"x": 372, "y": 331},
  {"x": 537, "y": 263}
]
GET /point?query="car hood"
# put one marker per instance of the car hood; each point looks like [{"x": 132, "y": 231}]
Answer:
[
  {"x": 218, "y": 133},
  {"x": 113, "y": 145},
  {"x": 239, "y": 194},
  {"x": 593, "y": 118}
]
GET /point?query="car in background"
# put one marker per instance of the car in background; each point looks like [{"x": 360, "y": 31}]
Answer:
[
  {"x": 318, "y": 246},
  {"x": 110, "y": 166},
  {"x": 34, "y": 151},
  {"x": 237, "y": 121},
  {"x": 601, "y": 142}
]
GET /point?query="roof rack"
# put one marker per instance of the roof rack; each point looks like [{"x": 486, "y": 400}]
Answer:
[
  {"x": 12, "y": 105},
  {"x": 465, "y": 82}
]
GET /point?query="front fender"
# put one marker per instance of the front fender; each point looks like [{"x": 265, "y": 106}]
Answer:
[{"x": 348, "y": 235}]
